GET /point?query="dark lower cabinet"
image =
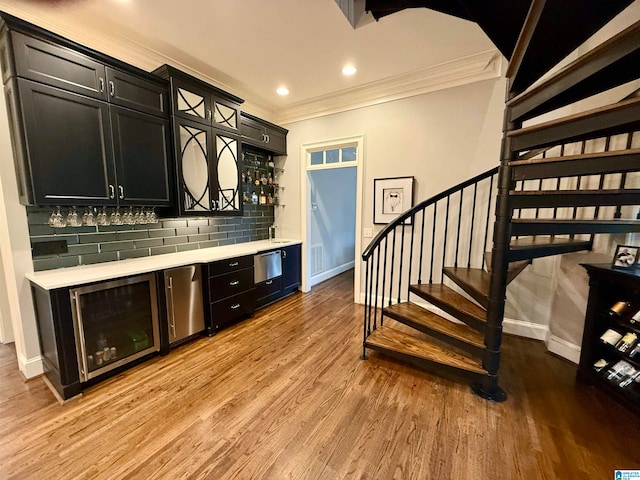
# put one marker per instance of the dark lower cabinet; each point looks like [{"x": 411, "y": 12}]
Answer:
[
  {"x": 231, "y": 294},
  {"x": 276, "y": 288}
]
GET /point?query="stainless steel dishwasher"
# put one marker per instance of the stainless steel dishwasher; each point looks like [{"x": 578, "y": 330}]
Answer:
[
  {"x": 267, "y": 266},
  {"x": 185, "y": 313}
]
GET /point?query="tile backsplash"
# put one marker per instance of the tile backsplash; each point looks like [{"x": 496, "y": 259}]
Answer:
[{"x": 95, "y": 244}]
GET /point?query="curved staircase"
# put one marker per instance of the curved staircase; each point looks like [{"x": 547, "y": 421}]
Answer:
[{"x": 436, "y": 277}]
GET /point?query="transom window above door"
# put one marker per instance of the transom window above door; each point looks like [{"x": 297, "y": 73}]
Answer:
[{"x": 333, "y": 156}]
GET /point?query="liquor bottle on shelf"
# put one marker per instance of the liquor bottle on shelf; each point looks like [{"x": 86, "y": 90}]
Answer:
[
  {"x": 263, "y": 198},
  {"x": 619, "y": 309},
  {"x": 254, "y": 198},
  {"x": 248, "y": 177},
  {"x": 256, "y": 176},
  {"x": 270, "y": 179}
]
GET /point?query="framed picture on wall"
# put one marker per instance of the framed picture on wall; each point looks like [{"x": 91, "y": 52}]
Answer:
[
  {"x": 391, "y": 197},
  {"x": 626, "y": 256}
]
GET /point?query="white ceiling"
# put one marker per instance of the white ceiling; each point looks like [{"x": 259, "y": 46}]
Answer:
[{"x": 251, "y": 47}]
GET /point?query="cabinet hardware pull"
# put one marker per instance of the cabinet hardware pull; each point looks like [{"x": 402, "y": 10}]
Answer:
[
  {"x": 112, "y": 192},
  {"x": 233, "y": 264},
  {"x": 235, "y": 307},
  {"x": 101, "y": 80},
  {"x": 112, "y": 88},
  {"x": 234, "y": 283},
  {"x": 172, "y": 320},
  {"x": 121, "y": 190},
  {"x": 284, "y": 254},
  {"x": 267, "y": 138},
  {"x": 269, "y": 282}
]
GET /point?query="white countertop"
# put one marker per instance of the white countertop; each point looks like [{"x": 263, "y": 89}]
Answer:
[{"x": 72, "y": 276}]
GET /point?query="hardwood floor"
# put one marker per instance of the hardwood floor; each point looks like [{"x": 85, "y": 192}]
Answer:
[{"x": 284, "y": 395}]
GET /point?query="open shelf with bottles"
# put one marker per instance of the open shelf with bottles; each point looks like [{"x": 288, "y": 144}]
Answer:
[
  {"x": 260, "y": 178},
  {"x": 610, "y": 354}
]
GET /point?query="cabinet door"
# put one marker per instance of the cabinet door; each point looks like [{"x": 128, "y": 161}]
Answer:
[
  {"x": 227, "y": 168},
  {"x": 225, "y": 114},
  {"x": 291, "y": 268},
  {"x": 136, "y": 93},
  {"x": 143, "y": 162},
  {"x": 69, "y": 146},
  {"x": 58, "y": 66},
  {"x": 252, "y": 131},
  {"x": 193, "y": 156},
  {"x": 276, "y": 142},
  {"x": 190, "y": 102}
]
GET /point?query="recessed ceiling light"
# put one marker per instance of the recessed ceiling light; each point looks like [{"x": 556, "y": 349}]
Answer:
[
  {"x": 282, "y": 91},
  {"x": 349, "y": 70}
]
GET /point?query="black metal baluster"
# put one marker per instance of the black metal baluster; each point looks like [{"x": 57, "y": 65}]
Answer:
[
  {"x": 473, "y": 219},
  {"x": 384, "y": 278},
  {"x": 413, "y": 231},
  {"x": 486, "y": 225},
  {"x": 401, "y": 262},
  {"x": 607, "y": 144},
  {"x": 623, "y": 179},
  {"x": 366, "y": 306},
  {"x": 455, "y": 262},
  {"x": 424, "y": 212},
  {"x": 446, "y": 229},
  {"x": 433, "y": 240},
  {"x": 393, "y": 264},
  {"x": 375, "y": 310}
]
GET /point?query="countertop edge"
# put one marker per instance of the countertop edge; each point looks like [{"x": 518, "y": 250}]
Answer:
[{"x": 84, "y": 274}]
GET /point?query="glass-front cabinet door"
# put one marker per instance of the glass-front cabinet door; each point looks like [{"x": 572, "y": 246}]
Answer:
[
  {"x": 193, "y": 145},
  {"x": 191, "y": 103},
  {"x": 228, "y": 170},
  {"x": 115, "y": 323}
]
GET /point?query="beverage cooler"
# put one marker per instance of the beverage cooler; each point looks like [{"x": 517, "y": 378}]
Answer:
[{"x": 115, "y": 323}]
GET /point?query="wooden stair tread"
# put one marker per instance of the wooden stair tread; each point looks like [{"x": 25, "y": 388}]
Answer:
[
  {"x": 606, "y": 120},
  {"x": 474, "y": 281},
  {"x": 612, "y": 63},
  {"x": 452, "y": 302},
  {"x": 571, "y": 165},
  {"x": 545, "y": 226},
  {"x": 573, "y": 198},
  {"x": 543, "y": 246},
  {"x": 431, "y": 321},
  {"x": 387, "y": 338}
]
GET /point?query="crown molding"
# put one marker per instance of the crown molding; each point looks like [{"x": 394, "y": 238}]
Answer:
[
  {"x": 97, "y": 34},
  {"x": 474, "y": 68}
]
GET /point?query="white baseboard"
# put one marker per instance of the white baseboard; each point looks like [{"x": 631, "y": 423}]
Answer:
[
  {"x": 30, "y": 367},
  {"x": 521, "y": 328},
  {"x": 321, "y": 277},
  {"x": 563, "y": 348}
]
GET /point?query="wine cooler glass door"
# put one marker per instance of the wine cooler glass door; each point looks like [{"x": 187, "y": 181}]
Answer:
[{"x": 115, "y": 323}]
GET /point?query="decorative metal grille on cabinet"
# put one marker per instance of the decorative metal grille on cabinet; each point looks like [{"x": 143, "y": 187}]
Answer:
[
  {"x": 191, "y": 103},
  {"x": 228, "y": 172},
  {"x": 195, "y": 169},
  {"x": 226, "y": 116}
]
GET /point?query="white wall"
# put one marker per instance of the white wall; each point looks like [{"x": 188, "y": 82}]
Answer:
[
  {"x": 333, "y": 220},
  {"x": 440, "y": 138}
]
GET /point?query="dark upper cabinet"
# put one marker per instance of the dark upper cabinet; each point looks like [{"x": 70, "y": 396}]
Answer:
[
  {"x": 70, "y": 162},
  {"x": 263, "y": 134},
  {"x": 205, "y": 122},
  {"x": 208, "y": 167},
  {"x": 144, "y": 167},
  {"x": 86, "y": 129},
  {"x": 195, "y": 100}
]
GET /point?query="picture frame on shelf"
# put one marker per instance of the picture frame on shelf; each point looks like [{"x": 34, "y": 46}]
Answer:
[
  {"x": 391, "y": 197},
  {"x": 625, "y": 257}
]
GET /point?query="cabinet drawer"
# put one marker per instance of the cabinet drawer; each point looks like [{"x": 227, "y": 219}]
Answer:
[
  {"x": 58, "y": 66},
  {"x": 268, "y": 291},
  {"x": 233, "y": 308},
  {"x": 230, "y": 265},
  {"x": 223, "y": 286}
]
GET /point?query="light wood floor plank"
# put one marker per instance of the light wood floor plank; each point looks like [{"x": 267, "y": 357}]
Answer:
[{"x": 284, "y": 395}]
